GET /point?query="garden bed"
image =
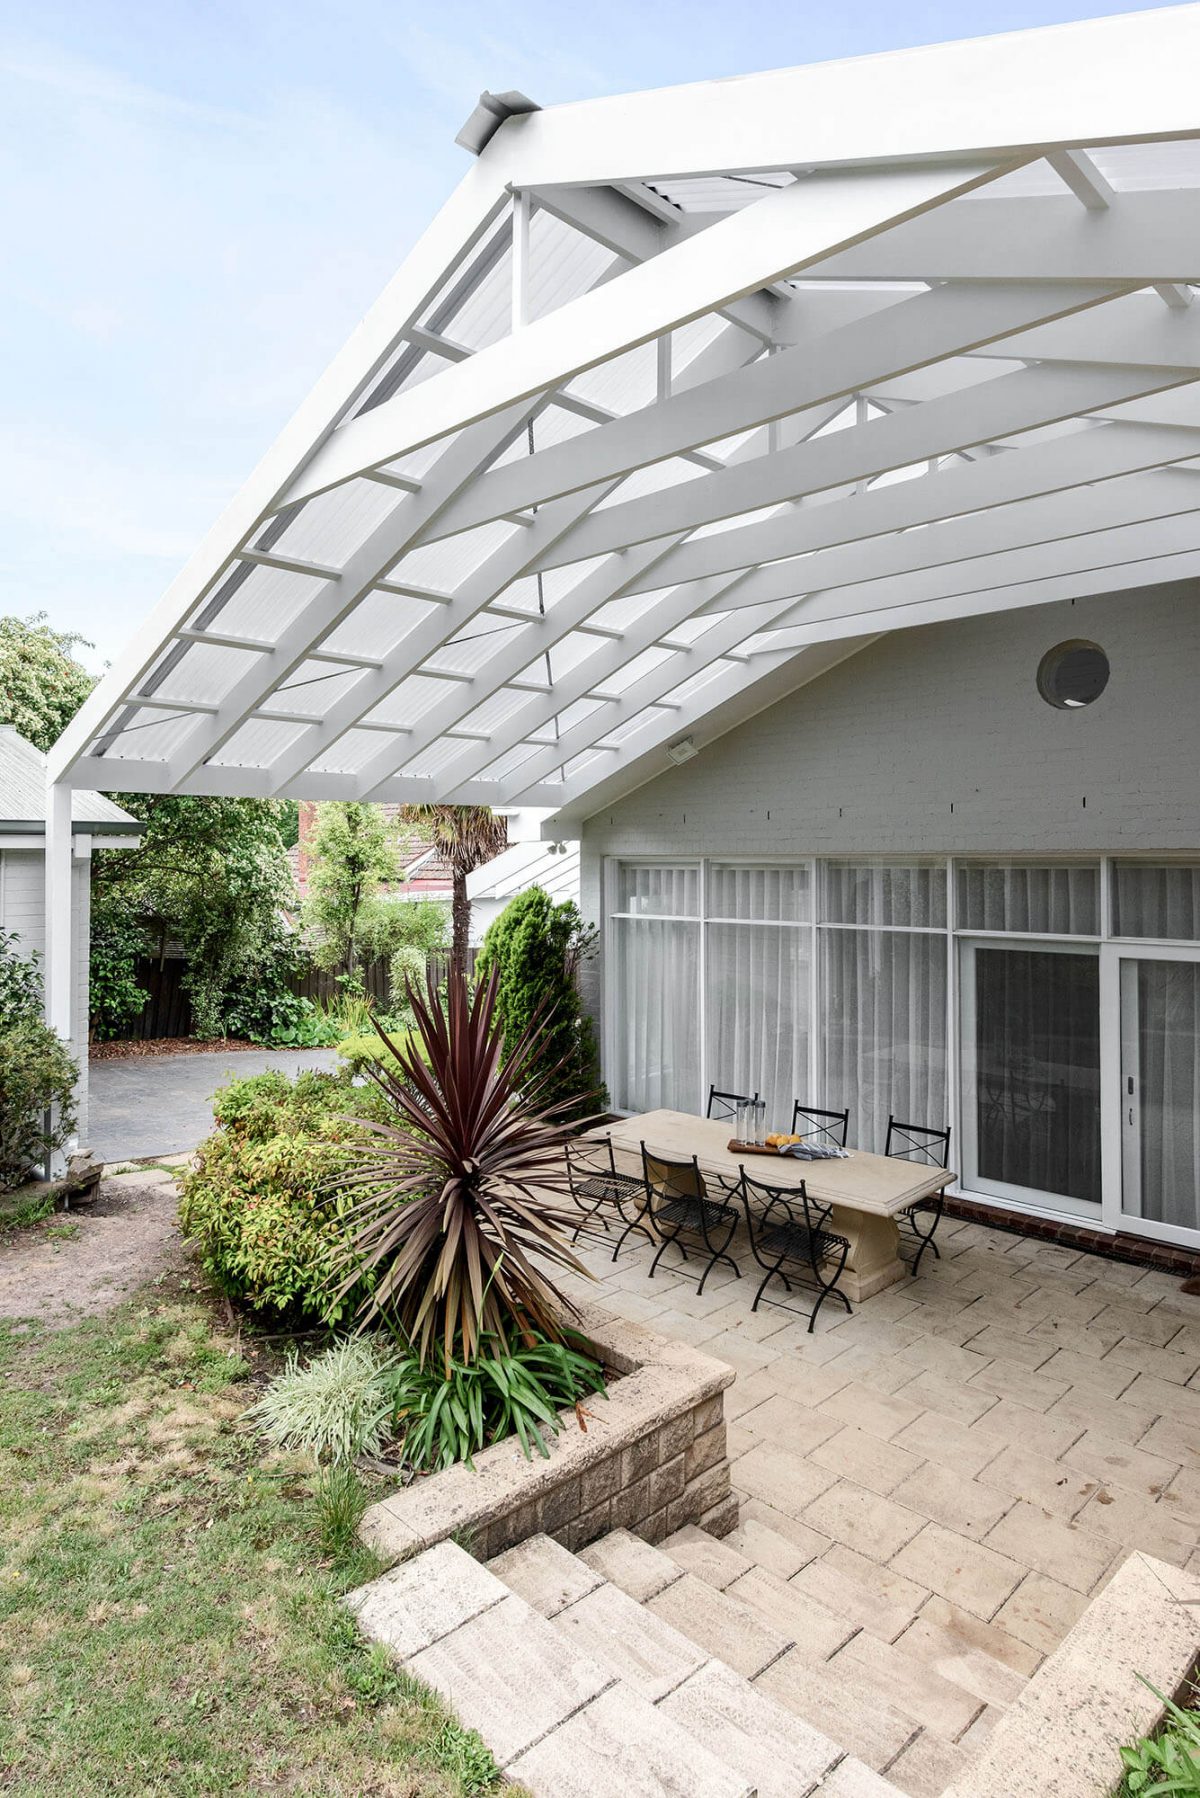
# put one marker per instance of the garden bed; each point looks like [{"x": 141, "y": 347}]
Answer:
[{"x": 651, "y": 1459}]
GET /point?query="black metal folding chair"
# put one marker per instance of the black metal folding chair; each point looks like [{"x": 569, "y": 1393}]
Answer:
[
  {"x": 677, "y": 1205},
  {"x": 790, "y": 1231},
  {"x": 929, "y": 1148},
  {"x": 824, "y": 1127},
  {"x": 598, "y": 1188},
  {"x": 724, "y": 1105}
]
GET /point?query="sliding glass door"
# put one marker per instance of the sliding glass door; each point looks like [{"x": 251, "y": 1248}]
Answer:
[
  {"x": 1160, "y": 1091},
  {"x": 1031, "y": 1072}
]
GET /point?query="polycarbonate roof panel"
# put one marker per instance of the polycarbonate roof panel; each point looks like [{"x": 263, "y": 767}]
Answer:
[
  {"x": 329, "y": 527},
  {"x": 260, "y": 740},
  {"x": 266, "y": 601},
  {"x": 719, "y": 193},
  {"x": 441, "y": 566},
  {"x": 438, "y": 357}
]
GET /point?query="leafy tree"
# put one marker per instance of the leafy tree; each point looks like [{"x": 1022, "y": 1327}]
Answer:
[
  {"x": 423, "y": 927},
  {"x": 468, "y": 836},
  {"x": 37, "y": 1072},
  {"x": 212, "y": 874},
  {"x": 42, "y": 685},
  {"x": 114, "y": 997},
  {"x": 536, "y": 947},
  {"x": 354, "y": 851}
]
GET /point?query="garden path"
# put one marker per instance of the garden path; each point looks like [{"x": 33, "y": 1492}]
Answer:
[{"x": 81, "y": 1264}]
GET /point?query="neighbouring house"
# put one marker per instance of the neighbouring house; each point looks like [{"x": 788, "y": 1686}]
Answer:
[
  {"x": 428, "y": 875},
  {"x": 789, "y": 485},
  {"x": 96, "y": 822},
  {"x": 553, "y": 866}
]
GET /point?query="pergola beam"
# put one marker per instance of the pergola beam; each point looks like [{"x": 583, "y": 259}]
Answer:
[
  {"x": 1139, "y": 238},
  {"x": 790, "y": 229},
  {"x": 1007, "y": 404},
  {"x": 910, "y": 334}
]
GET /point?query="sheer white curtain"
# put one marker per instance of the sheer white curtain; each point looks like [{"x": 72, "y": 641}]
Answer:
[
  {"x": 1028, "y": 899},
  {"x": 1168, "y": 1001},
  {"x": 884, "y": 1029},
  {"x": 758, "y": 973},
  {"x": 1157, "y": 902},
  {"x": 758, "y": 999}
]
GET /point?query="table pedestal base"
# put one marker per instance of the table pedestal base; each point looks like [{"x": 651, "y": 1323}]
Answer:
[{"x": 874, "y": 1259}]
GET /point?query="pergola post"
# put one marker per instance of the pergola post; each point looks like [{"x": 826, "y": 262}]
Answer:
[
  {"x": 58, "y": 909},
  {"x": 59, "y": 971}
]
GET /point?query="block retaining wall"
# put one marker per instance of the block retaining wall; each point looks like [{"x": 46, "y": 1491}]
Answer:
[{"x": 652, "y": 1458}]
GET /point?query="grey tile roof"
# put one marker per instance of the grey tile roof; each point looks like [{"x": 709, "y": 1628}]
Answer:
[{"x": 23, "y": 793}]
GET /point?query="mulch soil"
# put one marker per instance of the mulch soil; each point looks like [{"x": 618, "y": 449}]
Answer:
[{"x": 169, "y": 1045}]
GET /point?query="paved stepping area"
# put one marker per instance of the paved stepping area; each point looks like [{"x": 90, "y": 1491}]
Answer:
[{"x": 932, "y": 1489}]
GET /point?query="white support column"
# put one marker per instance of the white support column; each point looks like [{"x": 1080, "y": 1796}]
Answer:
[
  {"x": 58, "y": 909},
  {"x": 58, "y": 970}
]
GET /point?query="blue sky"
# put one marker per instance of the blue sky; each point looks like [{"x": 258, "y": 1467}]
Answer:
[{"x": 198, "y": 201}]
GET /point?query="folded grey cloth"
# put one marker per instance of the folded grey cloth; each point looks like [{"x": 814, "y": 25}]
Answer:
[{"x": 811, "y": 1151}]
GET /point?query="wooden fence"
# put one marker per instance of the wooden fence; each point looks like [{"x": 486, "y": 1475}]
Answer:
[{"x": 168, "y": 1012}]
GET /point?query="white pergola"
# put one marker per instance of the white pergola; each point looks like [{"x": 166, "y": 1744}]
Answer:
[{"x": 682, "y": 397}]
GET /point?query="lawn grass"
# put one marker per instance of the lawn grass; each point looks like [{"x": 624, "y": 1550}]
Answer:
[{"x": 169, "y": 1621}]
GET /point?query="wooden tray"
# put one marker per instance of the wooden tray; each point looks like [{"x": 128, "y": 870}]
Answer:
[{"x": 749, "y": 1148}]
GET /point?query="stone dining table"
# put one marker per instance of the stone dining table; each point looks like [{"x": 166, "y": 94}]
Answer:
[{"x": 867, "y": 1191}]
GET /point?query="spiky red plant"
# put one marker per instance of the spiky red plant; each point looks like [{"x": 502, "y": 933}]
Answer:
[{"x": 464, "y": 1198}]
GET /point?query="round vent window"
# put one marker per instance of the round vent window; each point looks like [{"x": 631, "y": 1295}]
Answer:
[{"x": 1072, "y": 674}]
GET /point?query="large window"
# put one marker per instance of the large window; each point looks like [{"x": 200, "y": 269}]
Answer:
[
  {"x": 758, "y": 978},
  {"x": 654, "y": 1043}
]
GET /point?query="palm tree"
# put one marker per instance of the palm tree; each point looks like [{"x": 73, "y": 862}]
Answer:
[{"x": 468, "y": 836}]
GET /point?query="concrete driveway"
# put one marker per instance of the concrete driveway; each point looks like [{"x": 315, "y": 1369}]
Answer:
[{"x": 162, "y": 1104}]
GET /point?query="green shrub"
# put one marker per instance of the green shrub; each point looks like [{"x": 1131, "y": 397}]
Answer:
[
  {"x": 365, "y": 1049},
  {"x": 37, "y": 1076},
  {"x": 20, "y": 983},
  {"x": 536, "y": 947},
  {"x": 336, "y": 1408},
  {"x": 447, "y": 1412},
  {"x": 37, "y": 1072},
  {"x": 262, "y": 1201},
  {"x": 1168, "y": 1761},
  {"x": 352, "y": 1399}
]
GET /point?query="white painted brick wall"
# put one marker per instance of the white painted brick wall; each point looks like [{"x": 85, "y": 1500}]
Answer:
[
  {"x": 23, "y": 909},
  {"x": 936, "y": 740}
]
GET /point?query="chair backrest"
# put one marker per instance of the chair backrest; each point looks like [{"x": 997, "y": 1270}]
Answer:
[
  {"x": 825, "y": 1126},
  {"x": 724, "y": 1105},
  {"x": 588, "y": 1156},
  {"x": 769, "y": 1206},
  {"x": 918, "y": 1142},
  {"x": 667, "y": 1179}
]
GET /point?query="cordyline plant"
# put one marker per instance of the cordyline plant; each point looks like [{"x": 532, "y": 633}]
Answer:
[{"x": 466, "y": 1194}]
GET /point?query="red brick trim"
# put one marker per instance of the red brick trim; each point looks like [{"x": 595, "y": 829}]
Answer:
[{"x": 1165, "y": 1256}]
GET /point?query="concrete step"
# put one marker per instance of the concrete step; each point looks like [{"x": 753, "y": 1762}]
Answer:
[
  {"x": 556, "y": 1720},
  {"x": 865, "y": 1724},
  {"x": 894, "y": 1677},
  {"x": 645, "y": 1617}
]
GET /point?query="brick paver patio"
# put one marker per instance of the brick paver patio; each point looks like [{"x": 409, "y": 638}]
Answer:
[{"x": 959, "y": 1466}]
